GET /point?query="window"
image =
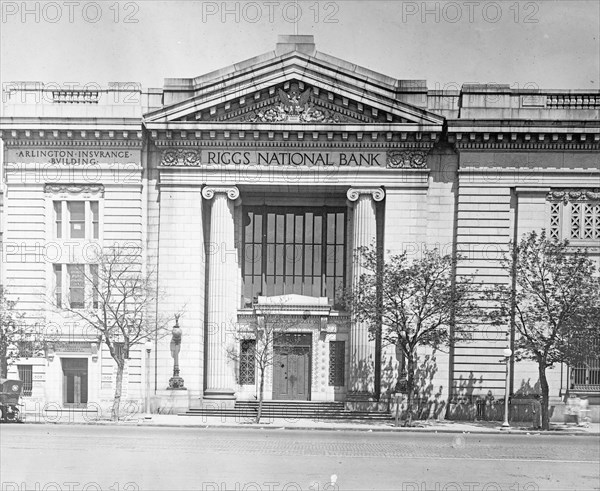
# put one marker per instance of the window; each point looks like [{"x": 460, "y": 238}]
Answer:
[
  {"x": 76, "y": 286},
  {"x": 337, "y": 355},
  {"x": 95, "y": 219},
  {"x": 94, "y": 275},
  {"x": 82, "y": 219},
  {"x": 586, "y": 375},
  {"x": 574, "y": 215},
  {"x": 58, "y": 219},
  {"x": 81, "y": 290},
  {"x": 294, "y": 250},
  {"x": 76, "y": 219},
  {"x": 58, "y": 283},
  {"x": 26, "y": 376},
  {"x": 247, "y": 371}
]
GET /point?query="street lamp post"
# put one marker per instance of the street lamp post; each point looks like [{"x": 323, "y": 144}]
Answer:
[
  {"x": 148, "y": 347},
  {"x": 507, "y": 354}
]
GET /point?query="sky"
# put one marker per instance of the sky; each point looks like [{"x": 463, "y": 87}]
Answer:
[{"x": 546, "y": 44}]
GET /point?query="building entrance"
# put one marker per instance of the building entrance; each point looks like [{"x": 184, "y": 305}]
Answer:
[
  {"x": 75, "y": 381},
  {"x": 292, "y": 367}
]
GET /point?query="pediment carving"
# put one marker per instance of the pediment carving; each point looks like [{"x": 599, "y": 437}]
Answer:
[
  {"x": 294, "y": 102},
  {"x": 294, "y": 107}
]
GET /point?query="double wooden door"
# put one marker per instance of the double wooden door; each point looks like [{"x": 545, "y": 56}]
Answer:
[{"x": 292, "y": 368}]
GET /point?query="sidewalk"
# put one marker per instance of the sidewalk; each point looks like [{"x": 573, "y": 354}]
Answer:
[{"x": 432, "y": 426}]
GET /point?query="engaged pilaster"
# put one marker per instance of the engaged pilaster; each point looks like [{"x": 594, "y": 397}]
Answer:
[
  {"x": 362, "y": 350},
  {"x": 222, "y": 292}
]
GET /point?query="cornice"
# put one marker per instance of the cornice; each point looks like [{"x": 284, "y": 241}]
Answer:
[
  {"x": 527, "y": 138},
  {"x": 326, "y": 145},
  {"x": 73, "y": 138}
]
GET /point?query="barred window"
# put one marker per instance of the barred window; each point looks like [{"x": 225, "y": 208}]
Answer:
[
  {"x": 574, "y": 215},
  {"x": 26, "y": 376},
  {"x": 336, "y": 363},
  {"x": 585, "y": 375},
  {"x": 247, "y": 370}
]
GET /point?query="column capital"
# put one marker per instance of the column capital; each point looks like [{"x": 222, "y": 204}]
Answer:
[
  {"x": 233, "y": 193},
  {"x": 354, "y": 193}
]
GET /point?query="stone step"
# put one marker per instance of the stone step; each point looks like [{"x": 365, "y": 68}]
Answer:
[
  {"x": 290, "y": 413},
  {"x": 344, "y": 417},
  {"x": 333, "y": 405}
]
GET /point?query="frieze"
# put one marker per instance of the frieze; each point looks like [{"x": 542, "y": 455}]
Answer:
[
  {"x": 294, "y": 107},
  {"x": 573, "y": 195},
  {"x": 181, "y": 157},
  {"x": 74, "y": 189},
  {"x": 406, "y": 159}
]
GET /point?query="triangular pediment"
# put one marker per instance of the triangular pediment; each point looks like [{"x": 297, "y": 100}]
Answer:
[
  {"x": 294, "y": 102},
  {"x": 294, "y": 88}
]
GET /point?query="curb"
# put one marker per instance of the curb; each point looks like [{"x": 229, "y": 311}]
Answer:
[{"x": 364, "y": 429}]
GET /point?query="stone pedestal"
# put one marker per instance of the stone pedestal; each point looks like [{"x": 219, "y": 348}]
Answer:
[
  {"x": 362, "y": 349},
  {"x": 222, "y": 293},
  {"x": 170, "y": 401}
]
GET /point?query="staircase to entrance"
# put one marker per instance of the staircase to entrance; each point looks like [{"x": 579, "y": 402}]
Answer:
[{"x": 313, "y": 410}]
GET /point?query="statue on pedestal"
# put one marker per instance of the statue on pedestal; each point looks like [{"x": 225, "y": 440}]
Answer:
[{"x": 176, "y": 382}]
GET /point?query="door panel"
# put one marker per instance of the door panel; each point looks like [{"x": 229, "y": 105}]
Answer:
[{"x": 291, "y": 373}]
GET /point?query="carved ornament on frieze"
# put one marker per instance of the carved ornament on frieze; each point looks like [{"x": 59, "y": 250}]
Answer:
[
  {"x": 75, "y": 189},
  {"x": 406, "y": 159},
  {"x": 573, "y": 195},
  {"x": 180, "y": 157}
]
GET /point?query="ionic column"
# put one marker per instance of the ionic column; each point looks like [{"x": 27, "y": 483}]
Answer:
[
  {"x": 362, "y": 350},
  {"x": 222, "y": 292}
]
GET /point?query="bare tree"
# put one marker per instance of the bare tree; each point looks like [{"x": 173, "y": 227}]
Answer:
[
  {"x": 555, "y": 303},
  {"x": 411, "y": 304},
  {"x": 256, "y": 343},
  {"x": 17, "y": 338},
  {"x": 119, "y": 310}
]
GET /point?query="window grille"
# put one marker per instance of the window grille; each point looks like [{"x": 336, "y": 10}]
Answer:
[
  {"x": 555, "y": 221},
  {"x": 26, "y": 376},
  {"x": 247, "y": 367},
  {"x": 336, "y": 363},
  {"x": 574, "y": 215}
]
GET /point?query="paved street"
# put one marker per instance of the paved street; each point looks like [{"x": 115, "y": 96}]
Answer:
[{"x": 127, "y": 458}]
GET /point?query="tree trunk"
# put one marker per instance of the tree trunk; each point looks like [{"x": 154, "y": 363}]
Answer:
[
  {"x": 261, "y": 393},
  {"x": 118, "y": 389},
  {"x": 4, "y": 365},
  {"x": 410, "y": 387},
  {"x": 545, "y": 395}
]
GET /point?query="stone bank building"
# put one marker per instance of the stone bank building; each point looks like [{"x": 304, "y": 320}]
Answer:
[{"x": 248, "y": 189}]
